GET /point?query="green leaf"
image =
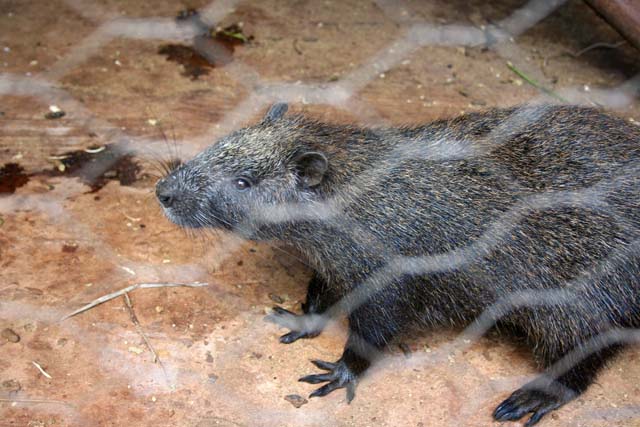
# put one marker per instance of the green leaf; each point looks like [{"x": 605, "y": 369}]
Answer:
[{"x": 238, "y": 36}]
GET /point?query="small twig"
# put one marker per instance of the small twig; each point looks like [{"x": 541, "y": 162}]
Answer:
[
  {"x": 135, "y": 321},
  {"x": 130, "y": 218},
  {"x": 128, "y": 289},
  {"x": 598, "y": 46},
  {"x": 42, "y": 371},
  {"x": 128, "y": 270},
  {"x": 296, "y": 48},
  {"x": 95, "y": 150},
  {"x": 56, "y": 402},
  {"x": 535, "y": 84}
]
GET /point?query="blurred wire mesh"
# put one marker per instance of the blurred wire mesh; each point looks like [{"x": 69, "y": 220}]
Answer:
[{"x": 360, "y": 91}]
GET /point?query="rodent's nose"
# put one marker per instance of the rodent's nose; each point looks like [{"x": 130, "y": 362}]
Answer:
[
  {"x": 164, "y": 194},
  {"x": 165, "y": 199}
]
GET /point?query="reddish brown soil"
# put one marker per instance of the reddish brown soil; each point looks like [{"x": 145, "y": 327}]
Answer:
[{"x": 62, "y": 245}]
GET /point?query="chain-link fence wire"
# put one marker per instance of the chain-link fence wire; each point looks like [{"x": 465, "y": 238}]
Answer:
[{"x": 501, "y": 37}]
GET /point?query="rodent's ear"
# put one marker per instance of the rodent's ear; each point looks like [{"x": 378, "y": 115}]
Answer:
[
  {"x": 276, "y": 112},
  {"x": 311, "y": 167}
]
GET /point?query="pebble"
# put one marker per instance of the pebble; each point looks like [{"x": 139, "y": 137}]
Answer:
[
  {"x": 136, "y": 350},
  {"x": 276, "y": 298},
  {"x": 54, "y": 113},
  {"x": 10, "y": 335},
  {"x": 296, "y": 400}
]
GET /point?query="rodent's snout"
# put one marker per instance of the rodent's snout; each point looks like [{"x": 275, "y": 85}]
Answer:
[
  {"x": 165, "y": 193},
  {"x": 177, "y": 202}
]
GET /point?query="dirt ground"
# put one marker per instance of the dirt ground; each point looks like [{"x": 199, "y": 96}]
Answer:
[{"x": 70, "y": 232}]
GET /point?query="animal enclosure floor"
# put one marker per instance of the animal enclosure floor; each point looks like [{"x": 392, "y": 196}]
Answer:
[{"x": 78, "y": 221}]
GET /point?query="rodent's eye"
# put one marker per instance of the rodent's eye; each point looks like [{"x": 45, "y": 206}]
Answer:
[{"x": 241, "y": 184}]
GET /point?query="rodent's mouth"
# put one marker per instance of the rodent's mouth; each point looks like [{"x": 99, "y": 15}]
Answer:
[
  {"x": 180, "y": 220},
  {"x": 190, "y": 220}
]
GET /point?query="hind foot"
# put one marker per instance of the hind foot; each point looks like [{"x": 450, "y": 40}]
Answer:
[
  {"x": 341, "y": 374},
  {"x": 300, "y": 325},
  {"x": 538, "y": 400},
  {"x": 338, "y": 376}
]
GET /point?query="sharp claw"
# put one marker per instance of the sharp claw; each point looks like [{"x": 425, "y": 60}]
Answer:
[
  {"x": 290, "y": 337},
  {"x": 501, "y": 415},
  {"x": 541, "y": 412},
  {"x": 537, "y": 416},
  {"x": 351, "y": 391},
  {"x": 507, "y": 411},
  {"x": 501, "y": 410},
  {"x": 510, "y": 416},
  {"x": 497, "y": 413},
  {"x": 315, "y": 379},
  {"x": 326, "y": 389},
  {"x": 524, "y": 401},
  {"x": 280, "y": 310},
  {"x": 326, "y": 366}
]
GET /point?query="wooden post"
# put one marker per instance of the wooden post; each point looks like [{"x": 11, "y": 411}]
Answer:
[{"x": 623, "y": 15}]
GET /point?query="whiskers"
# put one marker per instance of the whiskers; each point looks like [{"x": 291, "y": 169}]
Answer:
[
  {"x": 163, "y": 162},
  {"x": 205, "y": 234}
]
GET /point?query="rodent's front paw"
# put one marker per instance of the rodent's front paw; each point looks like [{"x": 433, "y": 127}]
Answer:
[
  {"x": 301, "y": 325},
  {"x": 525, "y": 400},
  {"x": 338, "y": 376}
]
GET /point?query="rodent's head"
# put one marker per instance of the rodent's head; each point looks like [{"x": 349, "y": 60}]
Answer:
[{"x": 255, "y": 168}]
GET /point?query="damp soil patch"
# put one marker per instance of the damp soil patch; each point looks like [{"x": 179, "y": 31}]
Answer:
[
  {"x": 213, "y": 48},
  {"x": 12, "y": 176},
  {"x": 193, "y": 63},
  {"x": 96, "y": 166}
]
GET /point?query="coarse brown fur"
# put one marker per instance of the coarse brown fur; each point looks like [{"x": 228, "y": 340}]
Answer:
[{"x": 525, "y": 217}]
